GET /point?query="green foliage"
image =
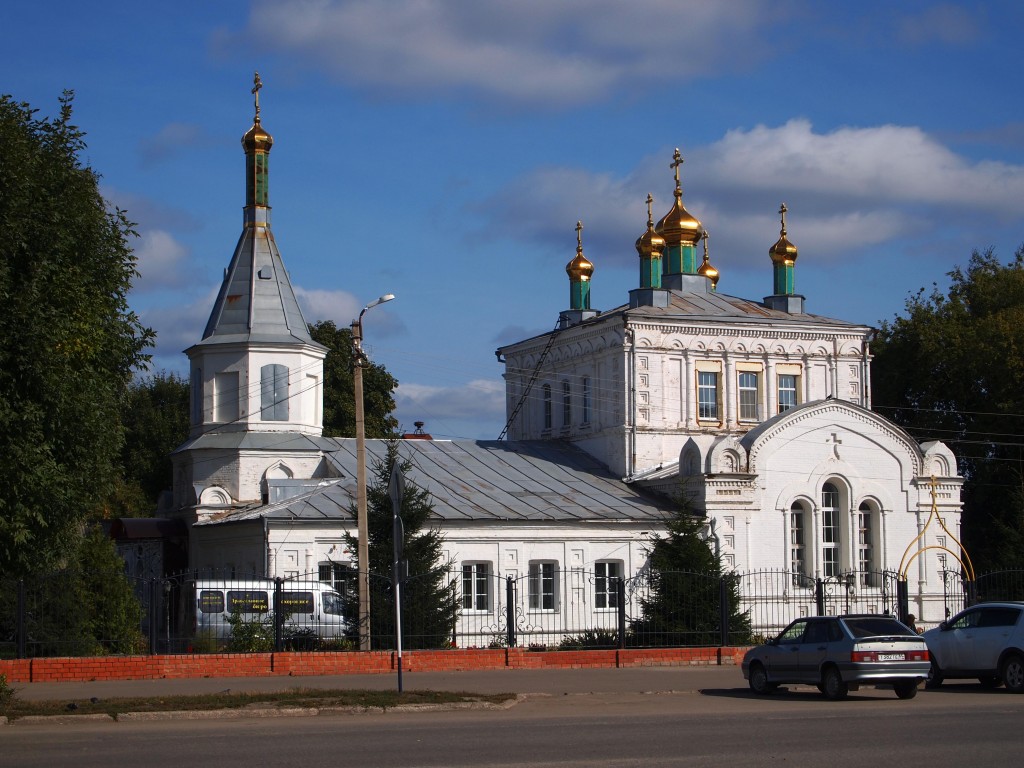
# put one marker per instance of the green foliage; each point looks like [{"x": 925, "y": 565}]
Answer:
[
  {"x": 86, "y": 609},
  {"x": 7, "y": 693},
  {"x": 68, "y": 341},
  {"x": 339, "y": 398},
  {"x": 952, "y": 369},
  {"x": 429, "y": 598},
  {"x": 251, "y": 633},
  {"x": 683, "y": 604},
  {"x": 591, "y": 638},
  {"x": 156, "y": 421}
]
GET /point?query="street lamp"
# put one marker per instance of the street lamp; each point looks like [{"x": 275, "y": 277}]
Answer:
[{"x": 358, "y": 360}]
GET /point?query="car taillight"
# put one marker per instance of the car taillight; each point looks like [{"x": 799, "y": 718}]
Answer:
[
  {"x": 871, "y": 656},
  {"x": 862, "y": 656},
  {"x": 918, "y": 655}
]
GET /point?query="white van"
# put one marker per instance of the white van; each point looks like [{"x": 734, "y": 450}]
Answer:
[{"x": 311, "y": 609}]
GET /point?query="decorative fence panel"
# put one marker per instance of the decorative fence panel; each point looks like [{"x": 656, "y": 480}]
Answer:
[{"x": 60, "y": 615}]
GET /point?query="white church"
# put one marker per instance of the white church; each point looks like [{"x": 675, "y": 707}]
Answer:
[{"x": 757, "y": 411}]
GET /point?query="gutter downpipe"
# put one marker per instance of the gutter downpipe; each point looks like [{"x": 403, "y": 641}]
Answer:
[{"x": 631, "y": 396}]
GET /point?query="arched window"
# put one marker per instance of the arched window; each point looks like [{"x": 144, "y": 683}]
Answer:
[
  {"x": 566, "y": 404},
  {"x": 798, "y": 545},
  {"x": 831, "y": 529},
  {"x": 866, "y": 564}
]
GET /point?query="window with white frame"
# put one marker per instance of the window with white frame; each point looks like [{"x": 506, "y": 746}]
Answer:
[
  {"x": 476, "y": 586},
  {"x": 797, "y": 545},
  {"x": 831, "y": 524},
  {"x": 586, "y": 400},
  {"x": 341, "y": 576},
  {"x": 547, "y": 406},
  {"x": 865, "y": 544},
  {"x": 788, "y": 384},
  {"x": 707, "y": 395},
  {"x": 748, "y": 396},
  {"x": 543, "y": 585},
  {"x": 607, "y": 574},
  {"x": 566, "y": 404}
]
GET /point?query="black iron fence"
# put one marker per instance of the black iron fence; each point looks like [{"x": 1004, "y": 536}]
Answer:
[{"x": 546, "y": 608}]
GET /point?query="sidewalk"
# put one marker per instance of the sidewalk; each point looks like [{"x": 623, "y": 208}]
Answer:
[{"x": 549, "y": 681}]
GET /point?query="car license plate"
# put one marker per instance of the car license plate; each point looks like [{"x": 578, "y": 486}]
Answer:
[{"x": 891, "y": 657}]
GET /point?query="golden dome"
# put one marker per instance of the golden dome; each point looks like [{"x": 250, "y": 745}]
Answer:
[
  {"x": 579, "y": 268},
  {"x": 678, "y": 226},
  {"x": 257, "y": 138},
  {"x": 650, "y": 242},
  {"x": 705, "y": 269},
  {"x": 783, "y": 251}
]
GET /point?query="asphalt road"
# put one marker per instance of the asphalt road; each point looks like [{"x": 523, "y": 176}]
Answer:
[{"x": 668, "y": 725}]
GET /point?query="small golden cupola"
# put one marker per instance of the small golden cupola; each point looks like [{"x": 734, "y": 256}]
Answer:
[
  {"x": 681, "y": 231},
  {"x": 783, "y": 255},
  {"x": 257, "y": 143},
  {"x": 706, "y": 269},
  {"x": 579, "y": 271},
  {"x": 649, "y": 246}
]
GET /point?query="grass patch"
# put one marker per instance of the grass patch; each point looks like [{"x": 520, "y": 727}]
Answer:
[{"x": 14, "y": 707}]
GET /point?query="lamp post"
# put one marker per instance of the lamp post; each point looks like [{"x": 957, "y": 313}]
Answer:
[{"x": 363, "y": 555}]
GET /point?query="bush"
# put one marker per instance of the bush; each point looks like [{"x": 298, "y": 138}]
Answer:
[{"x": 591, "y": 638}]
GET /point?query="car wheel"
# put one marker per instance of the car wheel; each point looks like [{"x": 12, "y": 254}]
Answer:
[
  {"x": 833, "y": 686},
  {"x": 759, "y": 680},
  {"x": 935, "y": 677},
  {"x": 1013, "y": 673},
  {"x": 989, "y": 681},
  {"x": 905, "y": 690}
]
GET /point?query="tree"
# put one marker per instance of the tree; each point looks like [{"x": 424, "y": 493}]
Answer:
[
  {"x": 339, "y": 397},
  {"x": 156, "y": 421},
  {"x": 69, "y": 341},
  {"x": 952, "y": 369},
  {"x": 429, "y": 598},
  {"x": 686, "y": 587}
]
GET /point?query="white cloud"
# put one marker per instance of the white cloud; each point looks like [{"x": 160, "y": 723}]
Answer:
[
  {"x": 530, "y": 51},
  {"x": 342, "y": 308},
  {"x": 469, "y": 410},
  {"x": 162, "y": 262},
  {"x": 846, "y": 189},
  {"x": 177, "y": 326}
]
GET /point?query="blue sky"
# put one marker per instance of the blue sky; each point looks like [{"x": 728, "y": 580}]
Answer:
[{"x": 443, "y": 152}]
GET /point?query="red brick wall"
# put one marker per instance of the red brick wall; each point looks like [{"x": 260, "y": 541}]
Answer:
[{"x": 352, "y": 662}]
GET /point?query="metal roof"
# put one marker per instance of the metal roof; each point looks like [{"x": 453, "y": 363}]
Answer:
[{"x": 479, "y": 481}]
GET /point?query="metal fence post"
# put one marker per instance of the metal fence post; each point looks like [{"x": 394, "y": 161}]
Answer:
[
  {"x": 153, "y": 613},
  {"x": 723, "y": 610},
  {"x": 620, "y": 594},
  {"x": 510, "y": 612},
  {"x": 902, "y": 599},
  {"x": 21, "y": 630},
  {"x": 278, "y": 617},
  {"x": 819, "y": 596}
]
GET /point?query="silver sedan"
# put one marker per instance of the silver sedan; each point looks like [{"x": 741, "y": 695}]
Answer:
[{"x": 838, "y": 654}]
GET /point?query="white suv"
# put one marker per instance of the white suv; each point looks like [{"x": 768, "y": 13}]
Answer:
[{"x": 985, "y": 641}]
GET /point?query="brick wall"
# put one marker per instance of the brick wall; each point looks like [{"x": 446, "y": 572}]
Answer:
[{"x": 79, "y": 669}]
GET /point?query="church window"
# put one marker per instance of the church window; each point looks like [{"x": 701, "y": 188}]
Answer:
[
  {"x": 586, "y": 400},
  {"x": 274, "y": 392},
  {"x": 225, "y": 393},
  {"x": 476, "y": 586},
  {"x": 707, "y": 395},
  {"x": 797, "y": 546},
  {"x": 197, "y": 395},
  {"x": 341, "y": 577},
  {"x": 865, "y": 545},
  {"x": 543, "y": 585},
  {"x": 547, "y": 406},
  {"x": 830, "y": 531},
  {"x": 566, "y": 404},
  {"x": 788, "y": 391},
  {"x": 748, "y": 396},
  {"x": 607, "y": 574}
]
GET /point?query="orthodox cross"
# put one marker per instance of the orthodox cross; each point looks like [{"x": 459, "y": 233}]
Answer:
[
  {"x": 677, "y": 160},
  {"x": 256, "y": 85},
  {"x": 782, "y": 212},
  {"x": 836, "y": 442},
  {"x": 579, "y": 237},
  {"x": 650, "y": 218}
]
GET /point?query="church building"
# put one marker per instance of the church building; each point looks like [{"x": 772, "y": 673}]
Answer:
[{"x": 756, "y": 412}]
